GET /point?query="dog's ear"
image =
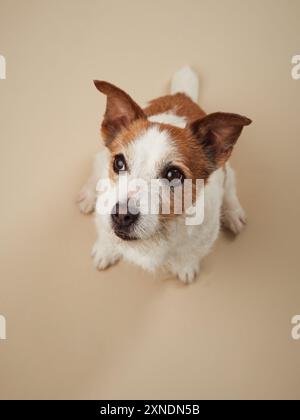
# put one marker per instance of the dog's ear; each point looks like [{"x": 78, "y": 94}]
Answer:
[
  {"x": 217, "y": 133},
  {"x": 121, "y": 110}
]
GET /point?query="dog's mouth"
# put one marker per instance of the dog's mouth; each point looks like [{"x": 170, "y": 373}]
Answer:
[{"x": 125, "y": 236}]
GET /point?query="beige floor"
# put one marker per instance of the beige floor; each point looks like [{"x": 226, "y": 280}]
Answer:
[{"x": 75, "y": 333}]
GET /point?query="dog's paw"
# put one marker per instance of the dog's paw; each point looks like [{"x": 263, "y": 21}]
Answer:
[
  {"x": 102, "y": 258},
  {"x": 86, "y": 200},
  {"x": 188, "y": 274},
  {"x": 235, "y": 220}
]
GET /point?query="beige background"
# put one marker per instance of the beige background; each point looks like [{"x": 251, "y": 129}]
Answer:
[{"x": 73, "y": 332}]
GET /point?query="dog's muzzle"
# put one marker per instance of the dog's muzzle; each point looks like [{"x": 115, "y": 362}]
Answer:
[{"x": 123, "y": 220}]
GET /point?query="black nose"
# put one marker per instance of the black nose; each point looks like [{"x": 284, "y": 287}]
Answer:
[{"x": 122, "y": 217}]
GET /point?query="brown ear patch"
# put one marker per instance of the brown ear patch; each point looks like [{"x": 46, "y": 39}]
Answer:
[
  {"x": 120, "y": 111},
  {"x": 217, "y": 133},
  {"x": 193, "y": 157}
]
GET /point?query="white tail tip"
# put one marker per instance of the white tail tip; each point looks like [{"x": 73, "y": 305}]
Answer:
[{"x": 185, "y": 81}]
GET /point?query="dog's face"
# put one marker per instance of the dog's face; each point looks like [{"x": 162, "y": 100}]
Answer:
[{"x": 146, "y": 155}]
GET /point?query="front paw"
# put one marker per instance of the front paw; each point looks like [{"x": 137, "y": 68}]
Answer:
[
  {"x": 86, "y": 200},
  {"x": 234, "y": 220},
  {"x": 103, "y": 257},
  {"x": 188, "y": 274}
]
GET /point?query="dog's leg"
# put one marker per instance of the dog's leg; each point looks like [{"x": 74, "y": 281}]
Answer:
[
  {"x": 104, "y": 252},
  {"x": 187, "y": 273},
  {"x": 104, "y": 255},
  {"x": 185, "y": 266},
  {"x": 87, "y": 196},
  {"x": 233, "y": 215}
]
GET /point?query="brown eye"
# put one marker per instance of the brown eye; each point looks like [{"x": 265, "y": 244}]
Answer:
[
  {"x": 119, "y": 164},
  {"x": 173, "y": 173}
]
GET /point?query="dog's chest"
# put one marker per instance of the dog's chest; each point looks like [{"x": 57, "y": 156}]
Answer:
[{"x": 148, "y": 257}]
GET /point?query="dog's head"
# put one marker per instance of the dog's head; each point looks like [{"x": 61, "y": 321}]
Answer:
[{"x": 145, "y": 151}]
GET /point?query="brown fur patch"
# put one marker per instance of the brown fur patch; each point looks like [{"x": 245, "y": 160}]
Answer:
[
  {"x": 126, "y": 136},
  {"x": 179, "y": 103},
  {"x": 191, "y": 158},
  {"x": 192, "y": 155}
]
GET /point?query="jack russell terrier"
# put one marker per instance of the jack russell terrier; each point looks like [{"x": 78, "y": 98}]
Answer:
[{"x": 174, "y": 142}]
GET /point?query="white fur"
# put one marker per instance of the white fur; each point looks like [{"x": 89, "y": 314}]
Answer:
[
  {"x": 185, "y": 81},
  {"x": 168, "y": 118},
  {"x": 87, "y": 196},
  {"x": 147, "y": 150},
  {"x": 233, "y": 215},
  {"x": 145, "y": 158},
  {"x": 181, "y": 248}
]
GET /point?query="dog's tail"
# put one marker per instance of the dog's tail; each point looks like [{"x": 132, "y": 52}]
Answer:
[{"x": 185, "y": 80}]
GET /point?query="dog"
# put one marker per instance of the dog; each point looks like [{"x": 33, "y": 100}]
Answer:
[{"x": 171, "y": 139}]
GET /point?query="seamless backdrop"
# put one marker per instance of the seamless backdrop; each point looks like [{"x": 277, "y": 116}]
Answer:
[{"x": 73, "y": 332}]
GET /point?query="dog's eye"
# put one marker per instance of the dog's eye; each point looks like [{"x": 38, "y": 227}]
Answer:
[
  {"x": 119, "y": 163},
  {"x": 173, "y": 173}
]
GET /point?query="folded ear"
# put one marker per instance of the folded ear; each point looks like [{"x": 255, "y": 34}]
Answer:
[
  {"x": 218, "y": 133},
  {"x": 120, "y": 110}
]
